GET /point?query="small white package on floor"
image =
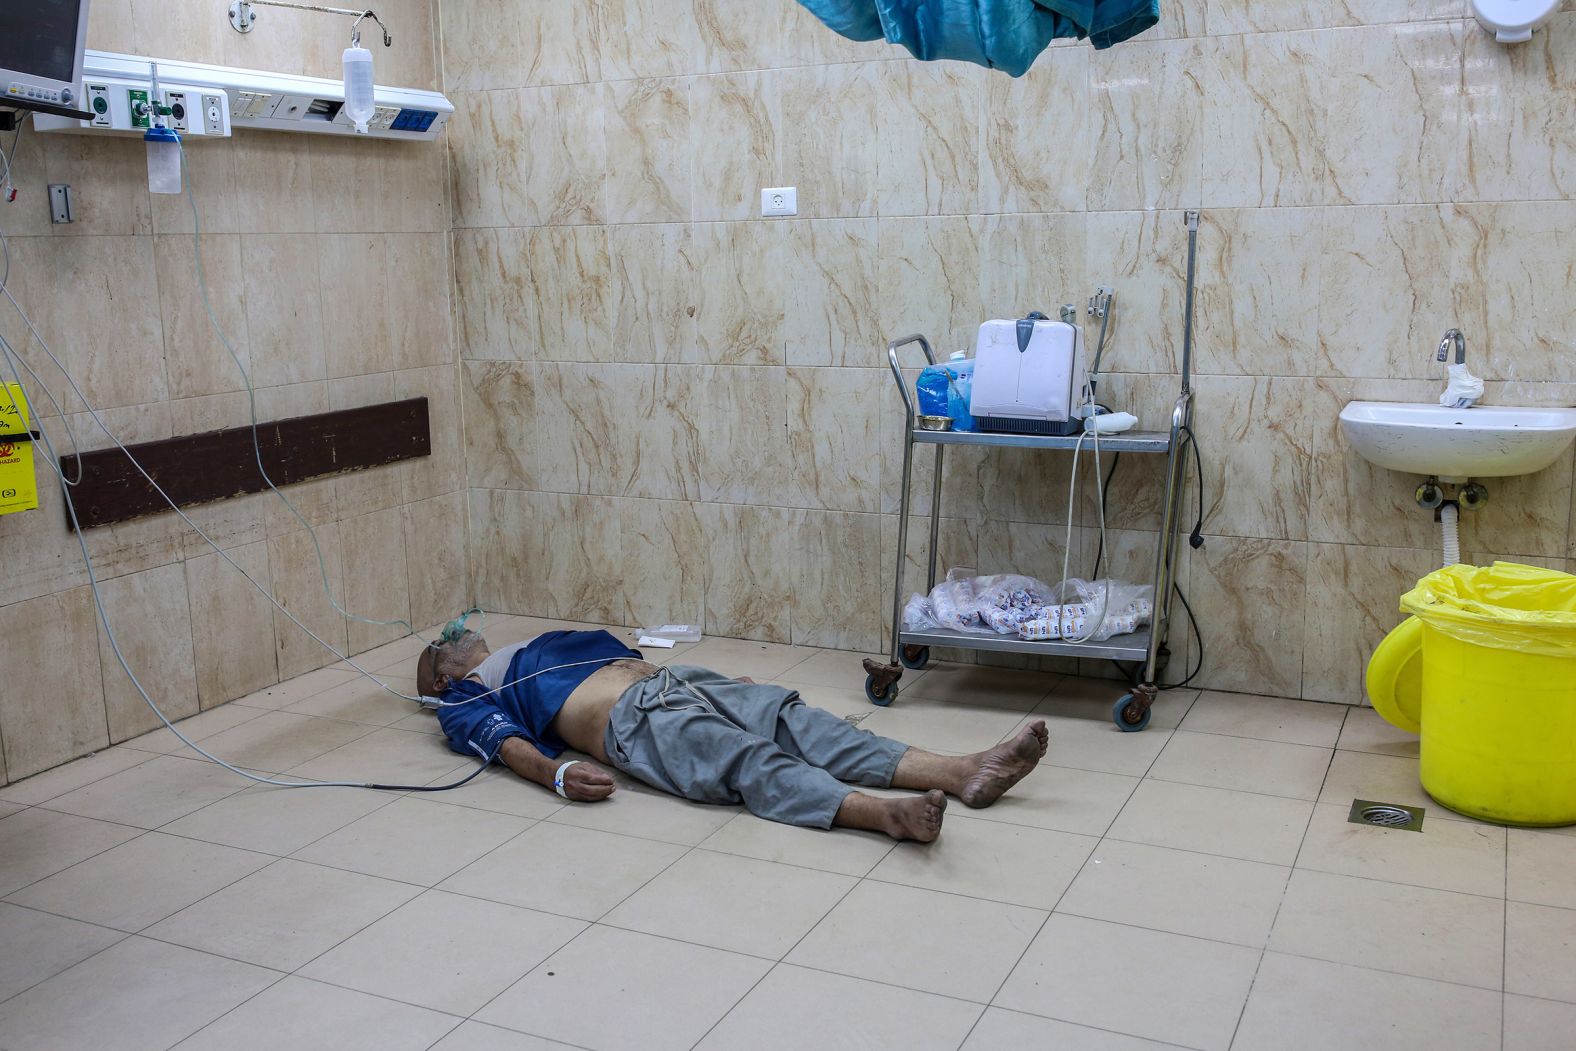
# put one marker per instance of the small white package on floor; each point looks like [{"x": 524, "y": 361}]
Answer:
[{"x": 673, "y": 632}]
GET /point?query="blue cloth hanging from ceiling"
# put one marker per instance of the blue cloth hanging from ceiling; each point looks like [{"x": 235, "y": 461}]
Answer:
[{"x": 1003, "y": 34}]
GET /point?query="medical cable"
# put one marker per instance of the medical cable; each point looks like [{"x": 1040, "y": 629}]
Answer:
[
  {"x": 35, "y": 335},
  {"x": 16, "y": 359},
  {"x": 1105, "y": 491},
  {"x": 257, "y": 453},
  {"x": 13, "y": 359},
  {"x": 251, "y": 397},
  {"x": 185, "y": 518},
  {"x": 1090, "y": 428},
  {"x": 1067, "y": 551},
  {"x": 1195, "y": 540},
  {"x": 98, "y": 601}
]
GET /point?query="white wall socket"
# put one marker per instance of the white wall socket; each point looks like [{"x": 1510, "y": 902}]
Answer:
[{"x": 780, "y": 200}]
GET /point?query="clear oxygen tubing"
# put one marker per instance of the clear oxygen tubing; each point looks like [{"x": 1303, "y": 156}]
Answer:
[
  {"x": 65, "y": 421},
  {"x": 185, "y": 518},
  {"x": 1090, "y": 428},
  {"x": 13, "y": 360},
  {"x": 17, "y": 364},
  {"x": 1450, "y": 530},
  {"x": 1072, "y": 496},
  {"x": 16, "y": 360},
  {"x": 257, "y": 449}
]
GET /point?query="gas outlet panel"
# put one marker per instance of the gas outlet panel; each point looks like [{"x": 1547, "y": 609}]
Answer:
[
  {"x": 113, "y": 85},
  {"x": 194, "y": 111}
]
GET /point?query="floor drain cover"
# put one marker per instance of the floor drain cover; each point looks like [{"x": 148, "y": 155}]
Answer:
[{"x": 1386, "y": 815}]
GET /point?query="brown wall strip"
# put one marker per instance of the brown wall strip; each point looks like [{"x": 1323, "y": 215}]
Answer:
[{"x": 199, "y": 468}]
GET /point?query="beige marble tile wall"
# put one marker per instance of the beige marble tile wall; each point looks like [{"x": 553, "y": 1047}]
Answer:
[
  {"x": 677, "y": 410},
  {"x": 328, "y": 263}
]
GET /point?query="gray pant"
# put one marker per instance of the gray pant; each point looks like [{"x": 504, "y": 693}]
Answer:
[{"x": 713, "y": 739}]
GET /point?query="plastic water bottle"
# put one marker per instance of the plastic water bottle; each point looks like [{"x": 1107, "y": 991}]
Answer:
[
  {"x": 359, "y": 105},
  {"x": 944, "y": 390},
  {"x": 932, "y": 389}
]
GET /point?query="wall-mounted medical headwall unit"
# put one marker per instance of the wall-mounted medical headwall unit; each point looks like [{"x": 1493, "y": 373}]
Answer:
[{"x": 112, "y": 86}]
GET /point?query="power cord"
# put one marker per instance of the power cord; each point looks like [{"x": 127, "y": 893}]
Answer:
[
  {"x": 1195, "y": 540},
  {"x": 1105, "y": 493}
]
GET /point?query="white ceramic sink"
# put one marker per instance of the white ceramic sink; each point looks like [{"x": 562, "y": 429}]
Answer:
[{"x": 1485, "y": 441}]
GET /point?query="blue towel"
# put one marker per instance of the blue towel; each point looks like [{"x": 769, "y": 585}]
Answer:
[{"x": 1003, "y": 34}]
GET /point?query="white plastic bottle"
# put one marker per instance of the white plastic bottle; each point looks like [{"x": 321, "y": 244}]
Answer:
[
  {"x": 359, "y": 105},
  {"x": 164, "y": 160}
]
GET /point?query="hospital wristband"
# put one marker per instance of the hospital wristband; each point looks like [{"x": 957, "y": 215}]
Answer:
[{"x": 558, "y": 778}]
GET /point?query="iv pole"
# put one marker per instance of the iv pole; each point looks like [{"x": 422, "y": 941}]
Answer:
[{"x": 243, "y": 19}]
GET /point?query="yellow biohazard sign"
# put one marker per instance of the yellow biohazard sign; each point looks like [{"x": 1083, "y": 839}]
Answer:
[{"x": 18, "y": 485}]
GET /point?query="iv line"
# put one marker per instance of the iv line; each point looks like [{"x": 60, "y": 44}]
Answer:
[
  {"x": 251, "y": 396},
  {"x": 93, "y": 412},
  {"x": 13, "y": 360}
]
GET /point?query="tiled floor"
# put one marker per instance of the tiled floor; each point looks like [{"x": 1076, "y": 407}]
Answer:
[{"x": 1194, "y": 885}]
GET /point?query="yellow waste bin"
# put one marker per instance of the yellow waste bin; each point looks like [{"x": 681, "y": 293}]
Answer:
[{"x": 1498, "y": 711}]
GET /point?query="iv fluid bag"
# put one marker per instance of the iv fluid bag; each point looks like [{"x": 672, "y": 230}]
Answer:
[{"x": 359, "y": 106}]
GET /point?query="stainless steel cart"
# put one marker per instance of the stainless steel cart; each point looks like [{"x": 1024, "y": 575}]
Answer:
[{"x": 911, "y": 649}]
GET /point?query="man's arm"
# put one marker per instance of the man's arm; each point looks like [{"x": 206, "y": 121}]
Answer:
[{"x": 583, "y": 782}]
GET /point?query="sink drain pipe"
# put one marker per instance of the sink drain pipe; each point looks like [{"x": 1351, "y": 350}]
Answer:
[{"x": 1449, "y": 515}]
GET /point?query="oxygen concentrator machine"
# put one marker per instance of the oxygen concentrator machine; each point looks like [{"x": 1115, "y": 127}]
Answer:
[{"x": 1029, "y": 377}]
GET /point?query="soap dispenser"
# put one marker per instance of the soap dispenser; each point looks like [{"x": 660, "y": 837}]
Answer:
[{"x": 1512, "y": 21}]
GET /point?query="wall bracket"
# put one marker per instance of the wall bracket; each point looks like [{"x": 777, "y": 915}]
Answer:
[{"x": 243, "y": 16}]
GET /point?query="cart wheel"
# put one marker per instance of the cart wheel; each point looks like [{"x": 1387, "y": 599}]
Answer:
[
  {"x": 885, "y": 696},
  {"x": 914, "y": 657},
  {"x": 1125, "y": 714}
]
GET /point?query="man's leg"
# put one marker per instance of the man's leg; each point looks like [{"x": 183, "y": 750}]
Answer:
[
  {"x": 979, "y": 779},
  {"x": 817, "y": 737},
  {"x": 682, "y": 744},
  {"x": 860, "y": 757},
  {"x": 918, "y": 817}
]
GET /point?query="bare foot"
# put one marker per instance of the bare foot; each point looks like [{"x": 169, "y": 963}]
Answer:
[
  {"x": 917, "y": 818},
  {"x": 1005, "y": 765}
]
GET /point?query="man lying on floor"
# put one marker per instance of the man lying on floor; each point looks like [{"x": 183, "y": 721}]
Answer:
[{"x": 696, "y": 734}]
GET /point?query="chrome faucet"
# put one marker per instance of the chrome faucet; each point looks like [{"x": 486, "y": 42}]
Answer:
[{"x": 1454, "y": 338}]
